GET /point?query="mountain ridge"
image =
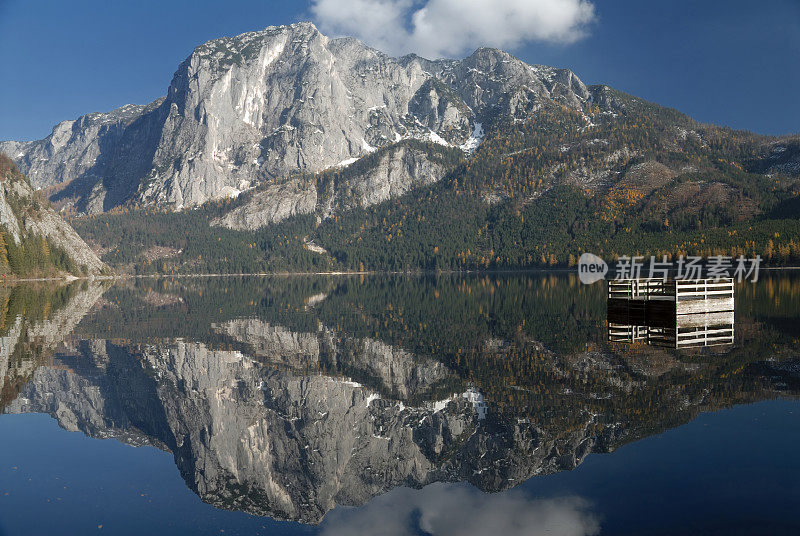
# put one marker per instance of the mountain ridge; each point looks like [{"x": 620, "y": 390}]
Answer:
[{"x": 237, "y": 113}]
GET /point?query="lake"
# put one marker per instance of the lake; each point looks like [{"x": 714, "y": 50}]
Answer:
[{"x": 470, "y": 404}]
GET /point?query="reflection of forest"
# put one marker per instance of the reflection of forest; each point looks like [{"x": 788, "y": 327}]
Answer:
[
  {"x": 286, "y": 396},
  {"x": 34, "y": 319}
]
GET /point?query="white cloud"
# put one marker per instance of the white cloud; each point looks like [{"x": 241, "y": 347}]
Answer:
[
  {"x": 458, "y": 509},
  {"x": 436, "y": 28}
]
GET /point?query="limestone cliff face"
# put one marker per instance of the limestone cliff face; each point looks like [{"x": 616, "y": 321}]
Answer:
[
  {"x": 491, "y": 78},
  {"x": 22, "y": 215},
  {"x": 245, "y": 110},
  {"x": 272, "y": 204},
  {"x": 396, "y": 171},
  {"x": 8, "y": 218},
  {"x": 75, "y": 148},
  {"x": 262, "y": 104}
]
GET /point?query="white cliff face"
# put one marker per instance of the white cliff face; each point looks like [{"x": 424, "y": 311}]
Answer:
[
  {"x": 272, "y": 204},
  {"x": 491, "y": 78},
  {"x": 246, "y": 110},
  {"x": 35, "y": 218},
  {"x": 395, "y": 171},
  {"x": 73, "y": 149},
  {"x": 7, "y": 217}
]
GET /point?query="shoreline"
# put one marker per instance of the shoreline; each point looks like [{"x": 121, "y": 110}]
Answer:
[{"x": 338, "y": 273}]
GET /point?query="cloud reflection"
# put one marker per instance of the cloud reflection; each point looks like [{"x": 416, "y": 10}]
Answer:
[{"x": 459, "y": 509}]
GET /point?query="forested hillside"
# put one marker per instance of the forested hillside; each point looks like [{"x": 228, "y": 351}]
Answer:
[
  {"x": 34, "y": 241},
  {"x": 617, "y": 176}
]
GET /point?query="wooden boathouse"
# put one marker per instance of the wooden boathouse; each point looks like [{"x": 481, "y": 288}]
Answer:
[{"x": 671, "y": 313}]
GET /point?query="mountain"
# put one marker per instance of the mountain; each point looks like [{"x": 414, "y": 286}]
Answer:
[
  {"x": 301, "y": 152},
  {"x": 247, "y": 110},
  {"x": 34, "y": 240}
]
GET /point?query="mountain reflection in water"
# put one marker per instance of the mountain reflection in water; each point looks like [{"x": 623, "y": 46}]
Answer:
[{"x": 285, "y": 397}]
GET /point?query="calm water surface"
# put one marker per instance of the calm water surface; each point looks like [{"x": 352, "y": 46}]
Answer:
[{"x": 389, "y": 405}]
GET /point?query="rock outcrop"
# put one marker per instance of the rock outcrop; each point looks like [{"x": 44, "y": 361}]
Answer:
[
  {"x": 272, "y": 204},
  {"x": 397, "y": 172},
  {"x": 24, "y": 217},
  {"x": 389, "y": 173}
]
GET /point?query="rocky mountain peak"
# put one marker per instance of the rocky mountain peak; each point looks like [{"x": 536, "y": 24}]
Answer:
[{"x": 251, "y": 109}]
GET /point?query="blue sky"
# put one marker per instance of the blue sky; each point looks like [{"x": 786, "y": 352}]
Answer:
[{"x": 726, "y": 62}]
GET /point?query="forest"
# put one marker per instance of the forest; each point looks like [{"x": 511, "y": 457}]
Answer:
[{"x": 429, "y": 229}]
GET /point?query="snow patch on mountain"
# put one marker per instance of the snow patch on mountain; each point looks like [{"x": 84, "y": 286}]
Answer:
[{"x": 474, "y": 140}]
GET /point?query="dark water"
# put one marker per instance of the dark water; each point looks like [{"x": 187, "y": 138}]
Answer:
[{"x": 389, "y": 405}]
